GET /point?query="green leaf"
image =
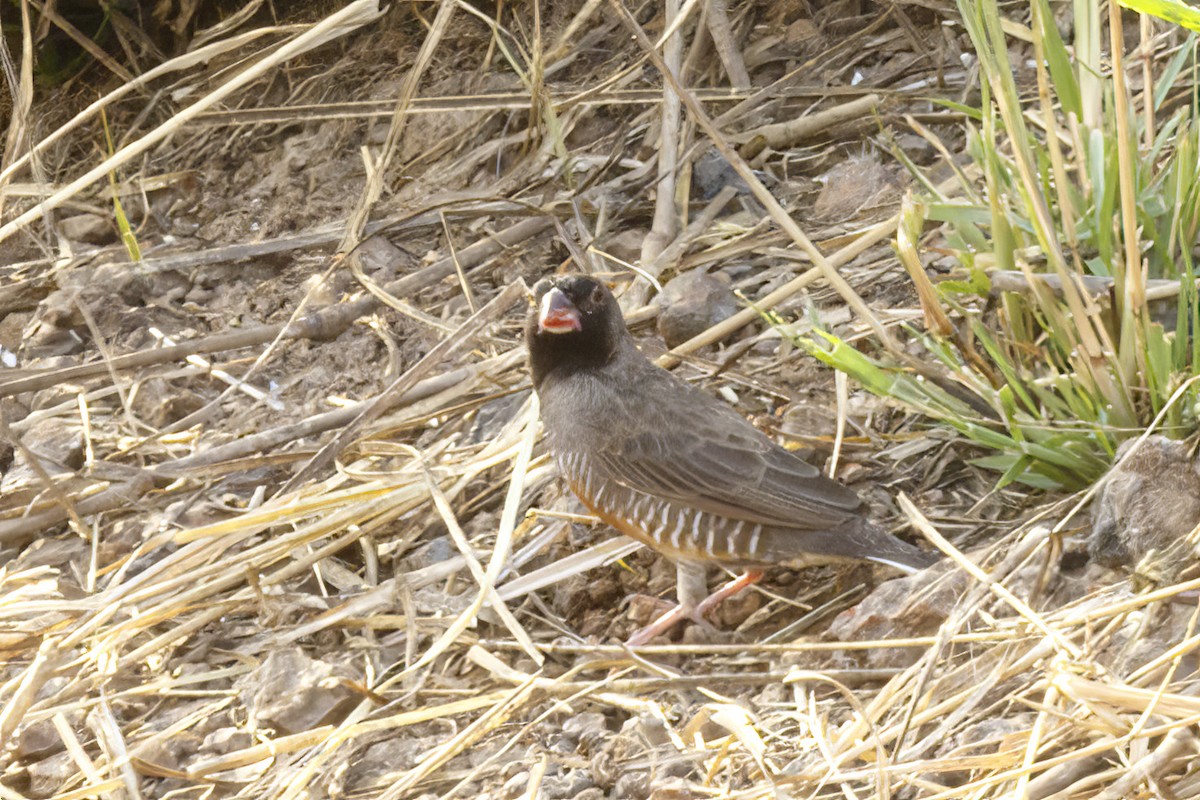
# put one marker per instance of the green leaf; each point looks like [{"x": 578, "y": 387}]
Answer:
[
  {"x": 1158, "y": 365},
  {"x": 1174, "y": 11},
  {"x": 1059, "y": 61},
  {"x": 969, "y": 111},
  {"x": 958, "y": 214},
  {"x": 1166, "y": 81},
  {"x": 1009, "y": 466}
]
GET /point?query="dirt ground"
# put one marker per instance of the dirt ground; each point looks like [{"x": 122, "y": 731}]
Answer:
[{"x": 187, "y": 613}]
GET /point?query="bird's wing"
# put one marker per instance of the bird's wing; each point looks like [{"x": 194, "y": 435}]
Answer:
[{"x": 688, "y": 447}]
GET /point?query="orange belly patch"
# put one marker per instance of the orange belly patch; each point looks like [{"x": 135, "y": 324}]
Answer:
[{"x": 650, "y": 538}]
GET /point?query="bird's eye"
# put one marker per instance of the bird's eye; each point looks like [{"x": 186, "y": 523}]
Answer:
[{"x": 598, "y": 295}]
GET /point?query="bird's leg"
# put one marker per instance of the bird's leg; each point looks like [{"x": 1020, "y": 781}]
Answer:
[
  {"x": 691, "y": 587},
  {"x": 694, "y": 600},
  {"x": 747, "y": 578}
]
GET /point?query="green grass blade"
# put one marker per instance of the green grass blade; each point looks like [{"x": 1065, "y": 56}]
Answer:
[{"x": 1175, "y": 11}]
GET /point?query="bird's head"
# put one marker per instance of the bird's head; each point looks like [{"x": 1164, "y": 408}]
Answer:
[{"x": 576, "y": 325}]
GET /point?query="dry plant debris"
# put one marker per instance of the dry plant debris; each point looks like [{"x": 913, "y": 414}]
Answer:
[{"x": 274, "y": 518}]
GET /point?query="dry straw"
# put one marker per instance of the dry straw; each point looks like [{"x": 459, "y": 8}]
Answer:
[{"x": 1014, "y": 695}]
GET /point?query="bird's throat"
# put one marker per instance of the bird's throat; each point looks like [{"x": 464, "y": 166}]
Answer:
[{"x": 557, "y": 356}]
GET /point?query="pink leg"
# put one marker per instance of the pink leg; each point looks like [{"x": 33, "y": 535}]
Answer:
[
  {"x": 691, "y": 587},
  {"x": 694, "y": 612},
  {"x": 747, "y": 578},
  {"x": 657, "y": 628}
]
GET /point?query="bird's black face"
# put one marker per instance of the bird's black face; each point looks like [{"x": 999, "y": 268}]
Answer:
[{"x": 577, "y": 325}]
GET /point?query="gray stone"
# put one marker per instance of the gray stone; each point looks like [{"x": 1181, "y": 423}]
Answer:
[
  {"x": 170, "y": 753},
  {"x": 1149, "y": 503},
  {"x": 57, "y": 443},
  {"x": 691, "y": 304},
  {"x": 291, "y": 692},
  {"x": 567, "y": 786},
  {"x": 633, "y": 785},
  {"x": 380, "y": 763},
  {"x": 711, "y": 173},
  {"x": 915, "y": 605},
  {"x": 46, "y": 777},
  {"x": 227, "y": 740},
  {"x": 91, "y": 228},
  {"x": 626, "y": 245},
  {"x": 586, "y": 731},
  {"x": 38, "y": 740}
]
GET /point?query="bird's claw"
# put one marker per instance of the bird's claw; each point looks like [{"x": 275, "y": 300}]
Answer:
[{"x": 668, "y": 619}]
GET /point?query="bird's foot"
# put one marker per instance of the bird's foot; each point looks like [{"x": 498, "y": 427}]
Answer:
[
  {"x": 664, "y": 623},
  {"x": 747, "y": 578},
  {"x": 695, "y": 612},
  {"x": 641, "y": 607}
]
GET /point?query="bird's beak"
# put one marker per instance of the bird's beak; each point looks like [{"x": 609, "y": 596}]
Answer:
[{"x": 557, "y": 314}]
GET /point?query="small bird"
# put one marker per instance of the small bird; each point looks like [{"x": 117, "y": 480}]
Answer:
[{"x": 680, "y": 471}]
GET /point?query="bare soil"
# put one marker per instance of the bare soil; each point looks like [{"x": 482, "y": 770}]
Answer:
[{"x": 178, "y": 620}]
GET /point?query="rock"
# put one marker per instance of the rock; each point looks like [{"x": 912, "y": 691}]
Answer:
[
  {"x": 60, "y": 309},
  {"x": 290, "y": 693},
  {"x": 11, "y": 326},
  {"x": 642, "y": 740},
  {"x": 1149, "y": 503},
  {"x": 38, "y": 740},
  {"x": 915, "y": 605},
  {"x": 98, "y": 288},
  {"x": 567, "y": 786},
  {"x": 645, "y": 608},
  {"x": 1145, "y": 635},
  {"x": 855, "y": 185},
  {"x": 381, "y": 258},
  {"x": 978, "y": 739},
  {"x": 588, "y": 600},
  {"x": 989, "y": 734},
  {"x": 380, "y": 763},
  {"x": 44, "y": 340},
  {"x": 161, "y": 402},
  {"x": 57, "y": 442},
  {"x": 188, "y": 513},
  {"x": 90, "y": 228},
  {"x": 429, "y": 553},
  {"x": 493, "y": 416},
  {"x": 730, "y": 614},
  {"x": 60, "y": 554},
  {"x": 917, "y": 148},
  {"x": 692, "y": 303},
  {"x": 801, "y": 31},
  {"x": 173, "y": 753},
  {"x": 46, "y": 777},
  {"x": 585, "y": 732},
  {"x": 226, "y": 740},
  {"x": 632, "y": 785},
  {"x": 711, "y": 173},
  {"x": 626, "y": 245}
]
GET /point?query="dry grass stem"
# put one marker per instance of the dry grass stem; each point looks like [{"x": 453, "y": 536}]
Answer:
[{"x": 275, "y": 513}]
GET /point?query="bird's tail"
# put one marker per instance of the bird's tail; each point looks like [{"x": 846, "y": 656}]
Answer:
[{"x": 858, "y": 539}]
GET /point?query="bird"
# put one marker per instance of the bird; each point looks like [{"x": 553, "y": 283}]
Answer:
[{"x": 676, "y": 469}]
